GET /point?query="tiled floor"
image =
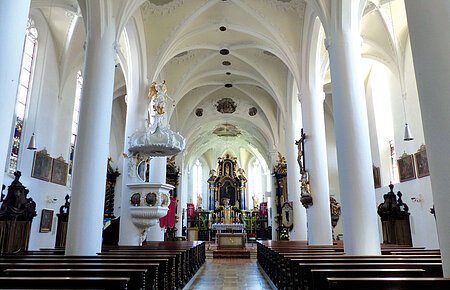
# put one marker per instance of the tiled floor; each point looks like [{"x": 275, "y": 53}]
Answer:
[{"x": 229, "y": 274}]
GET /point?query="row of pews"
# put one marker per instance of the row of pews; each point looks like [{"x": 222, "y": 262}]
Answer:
[
  {"x": 156, "y": 265},
  {"x": 295, "y": 265}
]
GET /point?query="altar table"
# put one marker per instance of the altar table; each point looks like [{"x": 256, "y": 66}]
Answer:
[
  {"x": 231, "y": 241},
  {"x": 228, "y": 227}
]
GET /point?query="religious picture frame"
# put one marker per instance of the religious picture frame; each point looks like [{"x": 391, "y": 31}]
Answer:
[
  {"x": 60, "y": 169},
  {"x": 46, "y": 221},
  {"x": 406, "y": 168},
  {"x": 287, "y": 215},
  {"x": 376, "y": 176},
  {"x": 422, "y": 162},
  {"x": 42, "y": 165}
]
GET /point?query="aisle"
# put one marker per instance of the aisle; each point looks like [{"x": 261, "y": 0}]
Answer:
[{"x": 229, "y": 274}]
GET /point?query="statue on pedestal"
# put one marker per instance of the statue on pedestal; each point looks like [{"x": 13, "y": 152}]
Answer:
[{"x": 226, "y": 211}]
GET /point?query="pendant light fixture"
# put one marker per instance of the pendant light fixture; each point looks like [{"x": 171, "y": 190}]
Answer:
[
  {"x": 32, "y": 143},
  {"x": 407, "y": 132}
]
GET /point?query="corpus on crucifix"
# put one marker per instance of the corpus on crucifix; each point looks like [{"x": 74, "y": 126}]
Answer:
[{"x": 301, "y": 151}]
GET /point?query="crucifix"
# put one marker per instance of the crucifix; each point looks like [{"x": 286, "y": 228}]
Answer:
[{"x": 301, "y": 151}]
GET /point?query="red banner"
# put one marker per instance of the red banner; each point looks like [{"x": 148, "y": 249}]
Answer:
[
  {"x": 190, "y": 211},
  {"x": 263, "y": 209},
  {"x": 169, "y": 219}
]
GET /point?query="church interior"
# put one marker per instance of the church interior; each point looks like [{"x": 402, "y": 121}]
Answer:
[{"x": 206, "y": 135}]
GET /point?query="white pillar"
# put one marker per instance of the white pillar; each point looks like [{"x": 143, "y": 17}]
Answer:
[
  {"x": 319, "y": 216},
  {"x": 135, "y": 119},
  {"x": 157, "y": 176},
  {"x": 183, "y": 197},
  {"x": 158, "y": 170},
  {"x": 273, "y": 196},
  {"x": 428, "y": 23},
  {"x": 293, "y": 178},
  {"x": 84, "y": 236},
  {"x": 155, "y": 233},
  {"x": 359, "y": 217},
  {"x": 13, "y": 23}
]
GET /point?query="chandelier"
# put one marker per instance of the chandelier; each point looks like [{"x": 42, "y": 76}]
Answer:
[{"x": 157, "y": 139}]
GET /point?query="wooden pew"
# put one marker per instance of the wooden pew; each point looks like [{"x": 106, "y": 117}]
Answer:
[
  {"x": 60, "y": 283},
  {"x": 173, "y": 271},
  {"x": 304, "y": 278},
  {"x": 151, "y": 280},
  {"x": 158, "y": 267},
  {"x": 136, "y": 276},
  {"x": 389, "y": 283},
  {"x": 320, "y": 282},
  {"x": 276, "y": 258},
  {"x": 176, "y": 262}
]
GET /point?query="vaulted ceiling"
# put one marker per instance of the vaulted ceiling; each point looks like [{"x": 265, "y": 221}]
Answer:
[{"x": 230, "y": 65}]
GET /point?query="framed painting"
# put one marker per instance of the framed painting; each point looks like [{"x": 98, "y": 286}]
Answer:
[
  {"x": 376, "y": 176},
  {"x": 42, "y": 165},
  {"x": 406, "y": 169},
  {"x": 422, "y": 162},
  {"x": 60, "y": 169},
  {"x": 287, "y": 215},
  {"x": 46, "y": 221}
]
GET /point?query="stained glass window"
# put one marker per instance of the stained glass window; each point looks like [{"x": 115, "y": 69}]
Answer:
[{"x": 23, "y": 91}]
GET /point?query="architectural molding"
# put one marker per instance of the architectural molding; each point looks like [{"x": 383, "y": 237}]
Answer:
[
  {"x": 287, "y": 5},
  {"x": 150, "y": 8}
]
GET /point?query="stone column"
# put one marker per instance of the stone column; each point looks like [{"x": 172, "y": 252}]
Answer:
[
  {"x": 428, "y": 23},
  {"x": 135, "y": 120},
  {"x": 273, "y": 196},
  {"x": 299, "y": 232},
  {"x": 136, "y": 114},
  {"x": 13, "y": 23},
  {"x": 84, "y": 236},
  {"x": 359, "y": 217},
  {"x": 183, "y": 198},
  {"x": 158, "y": 167},
  {"x": 157, "y": 176},
  {"x": 319, "y": 216}
]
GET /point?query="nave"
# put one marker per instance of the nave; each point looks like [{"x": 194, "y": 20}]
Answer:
[{"x": 229, "y": 274}]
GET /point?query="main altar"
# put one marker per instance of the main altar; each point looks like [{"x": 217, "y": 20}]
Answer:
[
  {"x": 226, "y": 220},
  {"x": 227, "y": 185}
]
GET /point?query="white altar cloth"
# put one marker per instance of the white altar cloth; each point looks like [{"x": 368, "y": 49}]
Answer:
[{"x": 224, "y": 227}]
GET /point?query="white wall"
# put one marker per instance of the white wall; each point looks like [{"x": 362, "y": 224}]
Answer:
[
  {"x": 423, "y": 227},
  {"x": 52, "y": 129}
]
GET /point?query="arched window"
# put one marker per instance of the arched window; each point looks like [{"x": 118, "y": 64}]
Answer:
[
  {"x": 255, "y": 181},
  {"x": 23, "y": 91},
  {"x": 197, "y": 182},
  {"x": 75, "y": 118}
]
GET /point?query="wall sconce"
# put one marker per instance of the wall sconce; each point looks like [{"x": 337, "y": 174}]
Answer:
[{"x": 419, "y": 198}]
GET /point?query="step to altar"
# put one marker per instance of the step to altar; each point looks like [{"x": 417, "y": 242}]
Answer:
[{"x": 231, "y": 254}]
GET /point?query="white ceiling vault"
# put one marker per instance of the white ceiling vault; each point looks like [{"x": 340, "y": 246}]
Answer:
[
  {"x": 209, "y": 51},
  {"x": 249, "y": 51}
]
